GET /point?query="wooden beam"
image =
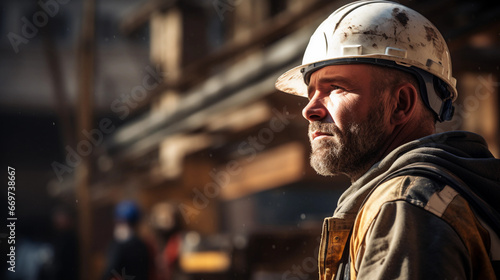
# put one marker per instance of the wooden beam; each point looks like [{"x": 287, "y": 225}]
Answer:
[
  {"x": 133, "y": 21},
  {"x": 166, "y": 41},
  {"x": 85, "y": 64},
  {"x": 277, "y": 167}
]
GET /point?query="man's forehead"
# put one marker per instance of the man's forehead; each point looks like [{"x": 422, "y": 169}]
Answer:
[{"x": 345, "y": 73}]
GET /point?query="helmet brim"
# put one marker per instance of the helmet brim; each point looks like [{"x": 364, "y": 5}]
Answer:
[{"x": 292, "y": 82}]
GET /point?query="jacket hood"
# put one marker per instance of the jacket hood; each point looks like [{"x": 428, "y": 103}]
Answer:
[{"x": 463, "y": 153}]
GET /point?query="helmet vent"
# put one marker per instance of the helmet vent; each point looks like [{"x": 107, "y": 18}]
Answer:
[
  {"x": 352, "y": 50},
  {"x": 395, "y": 52}
]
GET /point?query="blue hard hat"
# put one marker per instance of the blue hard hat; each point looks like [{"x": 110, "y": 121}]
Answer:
[{"x": 127, "y": 211}]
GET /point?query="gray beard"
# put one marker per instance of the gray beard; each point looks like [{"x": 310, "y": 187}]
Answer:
[{"x": 351, "y": 152}]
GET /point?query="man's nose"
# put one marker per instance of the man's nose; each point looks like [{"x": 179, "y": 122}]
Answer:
[{"x": 315, "y": 110}]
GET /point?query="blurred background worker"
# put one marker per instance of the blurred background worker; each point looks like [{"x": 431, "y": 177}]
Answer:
[
  {"x": 128, "y": 255},
  {"x": 421, "y": 205},
  {"x": 166, "y": 224}
]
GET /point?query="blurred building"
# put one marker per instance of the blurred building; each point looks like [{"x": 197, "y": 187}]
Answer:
[{"x": 185, "y": 111}]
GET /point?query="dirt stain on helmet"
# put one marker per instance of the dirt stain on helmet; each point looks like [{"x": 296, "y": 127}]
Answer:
[
  {"x": 402, "y": 17},
  {"x": 432, "y": 35}
]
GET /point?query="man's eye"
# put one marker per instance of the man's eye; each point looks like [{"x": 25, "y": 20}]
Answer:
[{"x": 336, "y": 88}]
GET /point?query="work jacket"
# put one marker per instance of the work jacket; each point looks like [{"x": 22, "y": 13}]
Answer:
[{"x": 413, "y": 226}]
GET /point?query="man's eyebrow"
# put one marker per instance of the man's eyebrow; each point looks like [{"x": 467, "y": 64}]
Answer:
[{"x": 336, "y": 79}]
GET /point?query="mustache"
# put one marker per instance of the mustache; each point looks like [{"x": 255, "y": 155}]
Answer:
[{"x": 327, "y": 128}]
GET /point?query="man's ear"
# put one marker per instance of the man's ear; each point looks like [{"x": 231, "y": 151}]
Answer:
[{"x": 406, "y": 98}]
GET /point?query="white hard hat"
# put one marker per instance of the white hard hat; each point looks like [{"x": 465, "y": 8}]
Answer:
[{"x": 381, "y": 33}]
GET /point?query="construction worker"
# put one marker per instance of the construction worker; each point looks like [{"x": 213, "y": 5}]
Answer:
[
  {"x": 421, "y": 205},
  {"x": 167, "y": 226},
  {"x": 129, "y": 256}
]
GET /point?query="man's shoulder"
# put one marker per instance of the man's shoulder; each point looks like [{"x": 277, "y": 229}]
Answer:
[
  {"x": 448, "y": 207},
  {"x": 419, "y": 207},
  {"x": 427, "y": 194},
  {"x": 415, "y": 189}
]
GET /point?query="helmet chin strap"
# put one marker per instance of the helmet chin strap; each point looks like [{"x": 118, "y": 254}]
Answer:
[{"x": 434, "y": 92}]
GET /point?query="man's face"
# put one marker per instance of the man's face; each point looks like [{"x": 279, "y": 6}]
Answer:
[{"x": 347, "y": 120}]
